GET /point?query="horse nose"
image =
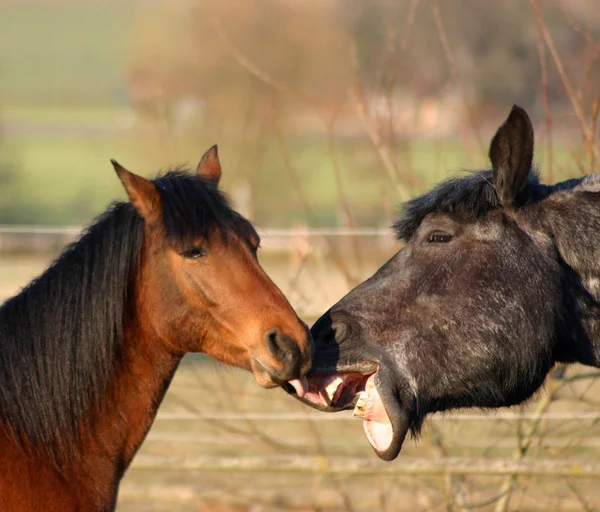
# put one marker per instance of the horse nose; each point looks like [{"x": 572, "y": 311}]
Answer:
[
  {"x": 295, "y": 361},
  {"x": 330, "y": 327}
]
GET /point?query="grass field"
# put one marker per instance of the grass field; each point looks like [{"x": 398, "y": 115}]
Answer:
[
  {"x": 60, "y": 171},
  {"x": 50, "y": 53},
  {"x": 63, "y": 97},
  {"x": 64, "y": 67}
]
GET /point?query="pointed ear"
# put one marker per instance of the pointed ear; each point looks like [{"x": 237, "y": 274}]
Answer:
[
  {"x": 209, "y": 166},
  {"x": 142, "y": 193},
  {"x": 511, "y": 154}
]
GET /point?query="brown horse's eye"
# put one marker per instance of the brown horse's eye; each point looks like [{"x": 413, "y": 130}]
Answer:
[
  {"x": 194, "y": 253},
  {"x": 439, "y": 238}
]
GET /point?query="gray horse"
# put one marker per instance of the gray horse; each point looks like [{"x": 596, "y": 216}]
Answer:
[{"x": 498, "y": 280}]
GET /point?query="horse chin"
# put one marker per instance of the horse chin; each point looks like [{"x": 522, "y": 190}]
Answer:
[
  {"x": 372, "y": 398},
  {"x": 386, "y": 421}
]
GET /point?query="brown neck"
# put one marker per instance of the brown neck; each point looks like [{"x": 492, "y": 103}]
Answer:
[
  {"x": 142, "y": 376},
  {"x": 114, "y": 436},
  {"x": 138, "y": 390}
]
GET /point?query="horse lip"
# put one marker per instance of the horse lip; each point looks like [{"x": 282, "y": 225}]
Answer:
[
  {"x": 398, "y": 415},
  {"x": 264, "y": 376}
]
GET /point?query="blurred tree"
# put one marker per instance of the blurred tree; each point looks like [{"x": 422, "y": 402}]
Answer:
[
  {"x": 494, "y": 45},
  {"x": 307, "y": 46},
  {"x": 298, "y": 44}
]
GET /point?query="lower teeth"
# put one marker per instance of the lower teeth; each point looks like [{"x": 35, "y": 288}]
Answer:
[{"x": 360, "y": 409}]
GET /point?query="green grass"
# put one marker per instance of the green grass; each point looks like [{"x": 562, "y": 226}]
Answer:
[
  {"x": 50, "y": 53},
  {"x": 53, "y": 115},
  {"x": 63, "y": 71},
  {"x": 65, "y": 179}
]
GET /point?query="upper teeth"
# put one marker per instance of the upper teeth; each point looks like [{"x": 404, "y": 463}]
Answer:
[{"x": 331, "y": 389}]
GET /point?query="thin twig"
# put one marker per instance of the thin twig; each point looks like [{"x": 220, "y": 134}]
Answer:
[
  {"x": 573, "y": 97},
  {"x": 583, "y": 33},
  {"x": 545, "y": 91},
  {"x": 454, "y": 490},
  {"x": 435, "y": 9},
  {"x": 342, "y": 197},
  {"x": 334, "y": 479},
  {"x": 254, "y": 69},
  {"x": 580, "y": 496},
  {"x": 383, "y": 151},
  {"x": 338, "y": 260},
  {"x": 524, "y": 445},
  {"x": 396, "y": 67}
]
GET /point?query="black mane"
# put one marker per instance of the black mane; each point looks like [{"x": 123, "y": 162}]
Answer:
[
  {"x": 60, "y": 338},
  {"x": 470, "y": 196}
]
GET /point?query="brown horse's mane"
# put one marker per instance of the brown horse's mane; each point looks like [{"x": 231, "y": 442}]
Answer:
[
  {"x": 471, "y": 196},
  {"x": 61, "y": 336}
]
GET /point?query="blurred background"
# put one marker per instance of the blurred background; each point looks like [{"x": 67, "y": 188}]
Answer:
[{"x": 328, "y": 115}]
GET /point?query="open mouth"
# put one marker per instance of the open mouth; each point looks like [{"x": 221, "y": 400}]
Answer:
[
  {"x": 385, "y": 422},
  {"x": 336, "y": 391}
]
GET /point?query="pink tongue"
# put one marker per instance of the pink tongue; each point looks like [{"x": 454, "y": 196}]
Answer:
[
  {"x": 376, "y": 422},
  {"x": 300, "y": 385}
]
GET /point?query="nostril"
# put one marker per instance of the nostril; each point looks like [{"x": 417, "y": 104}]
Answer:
[
  {"x": 273, "y": 344},
  {"x": 332, "y": 327},
  {"x": 340, "y": 331},
  {"x": 285, "y": 349},
  {"x": 282, "y": 347}
]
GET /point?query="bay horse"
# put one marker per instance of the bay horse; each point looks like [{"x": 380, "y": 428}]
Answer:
[
  {"x": 498, "y": 280},
  {"x": 88, "y": 349}
]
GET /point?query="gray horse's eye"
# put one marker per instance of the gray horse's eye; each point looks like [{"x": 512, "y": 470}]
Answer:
[{"x": 438, "y": 238}]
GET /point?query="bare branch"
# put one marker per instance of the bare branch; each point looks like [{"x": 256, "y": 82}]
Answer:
[
  {"x": 435, "y": 9},
  {"x": 544, "y": 71},
  {"x": 254, "y": 69},
  {"x": 383, "y": 151}
]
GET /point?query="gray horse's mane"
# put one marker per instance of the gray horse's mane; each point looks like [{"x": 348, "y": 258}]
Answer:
[{"x": 470, "y": 196}]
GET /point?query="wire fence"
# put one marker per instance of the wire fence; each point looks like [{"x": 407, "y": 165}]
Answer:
[
  {"x": 494, "y": 416},
  {"x": 267, "y": 232},
  {"x": 220, "y": 443}
]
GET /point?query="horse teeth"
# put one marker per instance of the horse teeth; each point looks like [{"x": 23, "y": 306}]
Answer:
[
  {"x": 331, "y": 389},
  {"x": 360, "y": 409}
]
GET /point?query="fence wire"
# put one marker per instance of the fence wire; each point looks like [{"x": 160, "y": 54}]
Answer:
[{"x": 220, "y": 441}]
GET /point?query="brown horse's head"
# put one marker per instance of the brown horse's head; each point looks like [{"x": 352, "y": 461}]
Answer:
[{"x": 201, "y": 288}]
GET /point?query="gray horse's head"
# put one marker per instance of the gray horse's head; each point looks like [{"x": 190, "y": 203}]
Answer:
[{"x": 497, "y": 280}]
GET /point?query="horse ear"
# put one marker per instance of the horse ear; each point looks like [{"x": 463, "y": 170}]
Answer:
[
  {"x": 511, "y": 154},
  {"x": 209, "y": 166},
  {"x": 142, "y": 193}
]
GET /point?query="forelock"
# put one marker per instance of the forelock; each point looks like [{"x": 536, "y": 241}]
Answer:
[
  {"x": 471, "y": 196},
  {"x": 192, "y": 207}
]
